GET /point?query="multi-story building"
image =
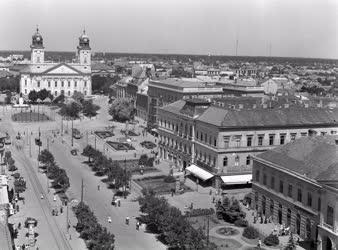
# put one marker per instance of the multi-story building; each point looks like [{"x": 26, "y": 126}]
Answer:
[
  {"x": 58, "y": 78},
  {"x": 296, "y": 185},
  {"x": 223, "y": 141},
  {"x": 163, "y": 92}
]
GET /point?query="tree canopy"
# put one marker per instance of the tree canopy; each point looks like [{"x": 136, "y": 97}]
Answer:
[
  {"x": 89, "y": 109},
  {"x": 122, "y": 110},
  {"x": 71, "y": 110}
]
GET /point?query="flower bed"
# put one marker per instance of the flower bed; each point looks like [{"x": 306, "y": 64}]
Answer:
[
  {"x": 104, "y": 134},
  {"x": 120, "y": 146},
  {"x": 227, "y": 231}
]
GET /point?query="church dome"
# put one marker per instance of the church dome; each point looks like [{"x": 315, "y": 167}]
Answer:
[
  {"x": 37, "y": 40},
  {"x": 83, "y": 41}
]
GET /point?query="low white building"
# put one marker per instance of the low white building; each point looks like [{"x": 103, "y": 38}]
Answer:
[{"x": 58, "y": 78}]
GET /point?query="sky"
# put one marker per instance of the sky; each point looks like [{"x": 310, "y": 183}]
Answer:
[{"x": 291, "y": 28}]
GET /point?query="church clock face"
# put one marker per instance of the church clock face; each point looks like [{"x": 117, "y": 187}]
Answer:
[
  {"x": 85, "y": 39},
  {"x": 38, "y": 39}
]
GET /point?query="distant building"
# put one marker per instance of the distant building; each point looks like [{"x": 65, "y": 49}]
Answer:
[
  {"x": 297, "y": 185},
  {"x": 58, "y": 78},
  {"x": 221, "y": 141}
]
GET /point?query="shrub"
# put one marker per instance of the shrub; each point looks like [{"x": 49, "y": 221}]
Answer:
[
  {"x": 271, "y": 240},
  {"x": 200, "y": 212},
  {"x": 169, "y": 179},
  {"x": 241, "y": 222},
  {"x": 250, "y": 233}
]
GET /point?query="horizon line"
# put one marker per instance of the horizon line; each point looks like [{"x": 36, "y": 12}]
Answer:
[{"x": 182, "y": 54}]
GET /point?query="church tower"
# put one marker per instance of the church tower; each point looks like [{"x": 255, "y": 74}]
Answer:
[
  {"x": 37, "y": 49},
  {"x": 83, "y": 50}
]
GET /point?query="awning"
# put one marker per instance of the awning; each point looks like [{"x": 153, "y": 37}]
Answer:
[
  {"x": 237, "y": 179},
  {"x": 199, "y": 172}
]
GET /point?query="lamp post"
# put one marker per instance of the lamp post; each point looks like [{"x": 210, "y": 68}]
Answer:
[{"x": 72, "y": 132}]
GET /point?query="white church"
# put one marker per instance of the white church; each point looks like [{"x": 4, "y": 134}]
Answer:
[{"x": 58, "y": 78}]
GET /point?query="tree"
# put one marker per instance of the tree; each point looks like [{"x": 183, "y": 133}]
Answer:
[
  {"x": 33, "y": 96},
  {"x": 122, "y": 110},
  {"x": 71, "y": 110},
  {"x": 46, "y": 157},
  {"x": 59, "y": 99},
  {"x": 19, "y": 186},
  {"x": 7, "y": 156},
  {"x": 8, "y": 98},
  {"x": 43, "y": 94},
  {"x": 78, "y": 97},
  {"x": 11, "y": 166},
  {"x": 89, "y": 151},
  {"x": 89, "y": 109}
]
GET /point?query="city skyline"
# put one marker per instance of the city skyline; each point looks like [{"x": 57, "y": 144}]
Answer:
[{"x": 261, "y": 28}]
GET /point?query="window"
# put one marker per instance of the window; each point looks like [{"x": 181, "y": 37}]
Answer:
[
  {"x": 56, "y": 93},
  {"x": 56, "y": 83},
  {"x": 319, "y": 204},
  {"x": 272, "y": 182},
  {"x": 25, "y": 91},
  {"x": 303, "y": 134},
  {"x": 248, "y": 160},
  {"x": 25, "y": 82},
  {"x": 236, "y": 160},
  {"x": 281, "y": 187},
  {"x": 85, "y": 92},
  {"x": 282, "y": 139},
  {"x": 38, "y": 59},
  {"x": 201, "y": 136},
  {"x": 249, "y": 141},
  {"x": 293, "y": 136},
  {"x": 323, "y": 133},
  {"x": 299, "y": 195},
  {"x": 197, "y": 134},
  {"x": 309, "y": 199},
  {"x": 38, "y": 84},
  {"x": 333, "y": 132},
  {"x": 210, "y": 140},
  {"x": 271, "y": 139},
  {"x": 85, "y": 83},
  {"x": 75, "y": 84},
  {"x": 226, "y": 140},
  {"x": 264, "y": 179},
  {"x": 48, "y": 84},
  {"x": 329, "y": 215},
  {"x": 238, "y": 140},
  {"x": 225, "y": 161},
  {"x": 257, "y": 175},
  {"x": 290, "y": 190},
  {"x": 68, "y": 84},
  {"x": 215, "y": 142},
  {"x": 68, "y": 93},
  {"x": 205, "y": 138},
  {"x": 260, "y": 140},
  {"x": 62, "y": 84}
]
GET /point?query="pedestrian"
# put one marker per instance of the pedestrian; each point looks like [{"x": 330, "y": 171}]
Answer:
[
  {"x": 61, "y": 210},
  {"x": 119, "y": 203},
  {"x": 137, "y": 225},
  {"x": 213, "y": 199},
  {"x": 127, "y": 220},
  {"x": 109, "y": 219},
  {"x": 98, "y": 187},
  {"x": 19, "y": 225},
  {"x": 259, "y": 244}
]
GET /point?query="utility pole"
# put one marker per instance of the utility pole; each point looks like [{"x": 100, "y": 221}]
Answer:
[
  {"x": 67, "y": 218},
  {"x": 82, "y": 190},
  {"x": 95, "y": 141},
  {"x": 72, "y": 132},
  {"x": 208, "y": 231},
  {"x": 39, "y": 147}
]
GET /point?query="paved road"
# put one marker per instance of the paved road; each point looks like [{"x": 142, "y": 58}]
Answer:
[
  {"x": 99, "y": 201},
  {"x": 59, "y": 240}
]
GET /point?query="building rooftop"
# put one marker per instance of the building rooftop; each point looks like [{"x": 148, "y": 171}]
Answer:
[
  {"x": 296, "y": 116},
  {"x": 315, "y": 157}
]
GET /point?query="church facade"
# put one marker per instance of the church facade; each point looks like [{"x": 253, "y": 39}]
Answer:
[{"x": 58, "y": 78}]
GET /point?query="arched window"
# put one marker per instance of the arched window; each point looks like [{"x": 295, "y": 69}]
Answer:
[
  {"x": 288, "y": 217},
  {"x": 237, "y": 161},
  {"x": 225, "y": 161},
  {"x": 298, "y": 219},
  {"x": 308, "y": 228},
  {"x": 263, "y": 204}
]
